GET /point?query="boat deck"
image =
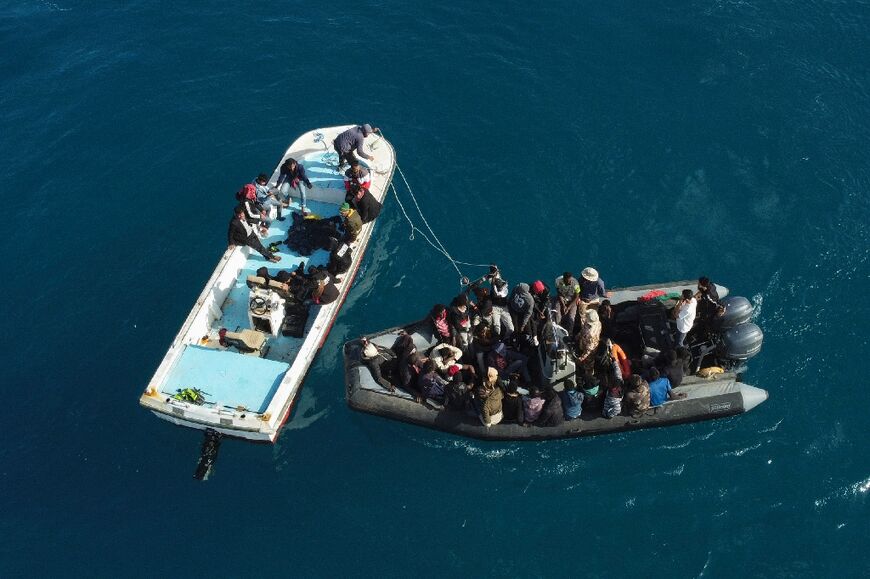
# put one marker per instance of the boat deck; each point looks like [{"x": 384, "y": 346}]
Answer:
[{"x": 232, "y": 379}]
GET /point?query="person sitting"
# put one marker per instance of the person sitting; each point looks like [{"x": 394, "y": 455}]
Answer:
[
  {"x": 351, "y": 222},
  {"x": 240, "y": 232},
  {"x": 265, "y": 197},
  {"x": 357, "y": 177},
  {"x": 445, "y": 356},
  {"x": 533, "y": 404},
  {"x": 612, "y": 402},
  {"x": 292, "y": 176},
  {"x": 439, "y": 324},
  {"x": 592, "y": 288},
  {"x": 660, "y": 388},
  {"x": 572, "y": 400},
  {"x": 521, "y": 306},
  {"x": 490, "y": 395},
  {"x": 255, "y": 215},
  {"x": 508, "y": 362},
  {"x": 512, "y": 403},
  {"x": 460, "y": 322},
  {"x": 340, "y": 257},
  {"x": 607, "y": 317},
  {"x": 325, "y": 291},
  {"x": 566, "y": 300},
  {"x": 410, "y": 366},
  {"x": 591, "y": 388},
  {"x": 353, "y": 139},
  {"x": 638, "y": 397},
  {"x": 431, "y": 384},
  {"x": 551, "y": 413},
  {"x": 364, "y": 202},
  {"x": 458, "y": 389},
  {"x": 684, "y": 312},
  {"x": 672, "y": 367},
  {"x": 379, "y": 361},
  {"x": 588, "y": 339}
]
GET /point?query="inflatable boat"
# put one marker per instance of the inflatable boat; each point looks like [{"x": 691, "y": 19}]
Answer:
[
  {"x": 643, "y": 329},
  {"x": 236, "y": 365}
]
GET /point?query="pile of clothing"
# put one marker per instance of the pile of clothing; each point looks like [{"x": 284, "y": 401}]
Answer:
[{"x": 308, "y": 235}]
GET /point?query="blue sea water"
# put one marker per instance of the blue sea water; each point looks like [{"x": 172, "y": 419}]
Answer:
[{"x": 654, "y": 140}]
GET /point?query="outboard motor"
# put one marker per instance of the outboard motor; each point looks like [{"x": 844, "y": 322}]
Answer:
[
  {"x": 740, "y": 342},
  {"x": 737, "y": 311}
]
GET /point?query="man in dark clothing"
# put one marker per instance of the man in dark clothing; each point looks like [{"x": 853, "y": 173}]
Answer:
[
  {"x": 708, "y": 299},
  {"x": 551, "y": 414},
  {"x": 340, "y": 257},
  {"x": 352, "y": 140},
  {"x": 241, "y": 233},
  {"x": 521, "y": 305},
  {"x": 512, "y": 403}
]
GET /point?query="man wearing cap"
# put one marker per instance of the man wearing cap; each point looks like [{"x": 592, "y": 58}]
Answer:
[
  {"x": 352, "y": 222},
  {"x": 352, "y": 140},
  {"x": 592, "y": 287}
]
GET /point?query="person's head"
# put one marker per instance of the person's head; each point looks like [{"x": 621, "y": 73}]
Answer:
[
  {"x": 439, "y": 311},
  {"x": 354, "y": 165},
  {"x": 566, "y": 277},
  {"x": 635, "y": 381},
  {"x": 262, "y": 178},
  {"x": 605, "y": 309},
  {"x": 481, "y": 293},
  {"x": 460, "y": 302},
  {"x": 239, "y": 211},
  {"x": 538, "y": 287},
  {"x": 589, "y": 274},
  {"x": 366, "y": 129},
  {"x": 491, "y": 375},
  {"x": 290, "y": 163},
  {"x": 654, "y": 374},
  {"x": 703, "y": 282},
  {"x": 569, "y": 385},
  {"x": 486, "y": 307},
  {"x": 500, "y": 349},
  {"x": 446, "y": 353},
  {"x": 498, "y": 282},
  {"x": 687, "y": 294},
  {"x": 534, "y": 392},
  {"x": 344, "y": 209},
  {"x": 512, "y": 385},
  {"x": 429, "y": 367},
  {"x": 249, "y": 192},
  {"x": 493, "y": 271}
]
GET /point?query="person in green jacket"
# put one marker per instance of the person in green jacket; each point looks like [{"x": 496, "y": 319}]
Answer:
[{"x": 352, "y": 222}]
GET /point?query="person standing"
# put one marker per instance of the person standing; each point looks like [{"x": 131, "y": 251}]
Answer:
[
  {"x": 592, "y": 288},
  {"x": 352, "y": 140},
  {"x": 292, "y": 176},
  {"x": 566, "y": 300},
  {"x": 240, "y": 232},
  {"x": 684, "y": 312}
]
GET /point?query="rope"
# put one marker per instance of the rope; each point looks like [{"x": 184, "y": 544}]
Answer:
[{"x": 463, "y": 280}]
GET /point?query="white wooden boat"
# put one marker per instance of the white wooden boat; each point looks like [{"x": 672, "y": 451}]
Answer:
[{"x": 250, "y": 395}]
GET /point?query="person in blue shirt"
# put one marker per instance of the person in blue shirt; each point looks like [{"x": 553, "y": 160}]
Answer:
[
  {"x": 660, "y": 388},
  {"x": 265, "y": 196},
  {"x": 592, "y": 288},
  {"x": 572, "y": 401}
]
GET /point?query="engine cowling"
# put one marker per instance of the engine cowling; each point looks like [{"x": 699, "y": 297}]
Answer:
[{"x": 741, "y": 342}]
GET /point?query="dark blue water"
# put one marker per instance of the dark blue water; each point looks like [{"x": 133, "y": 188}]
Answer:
[{"x": 653, "y": 140}]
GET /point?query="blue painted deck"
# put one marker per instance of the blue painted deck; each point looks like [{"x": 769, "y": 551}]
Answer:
[{"x": 229, "y": 378}]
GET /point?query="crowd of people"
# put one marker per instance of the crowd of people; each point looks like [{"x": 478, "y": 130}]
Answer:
[
  {"x": 257, "y": 200},
  {"x": 488, "y": 333}
]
